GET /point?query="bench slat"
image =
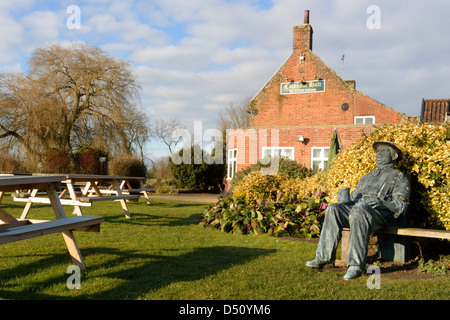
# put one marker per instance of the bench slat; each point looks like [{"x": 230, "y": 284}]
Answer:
[
  {"x": 14, "y": 224},
  {"x": 48, "y": 227},
  {"x": 107, "y": 198},
  {"x": 68, "y": 202},
  {"x": 417, "y": 232}
]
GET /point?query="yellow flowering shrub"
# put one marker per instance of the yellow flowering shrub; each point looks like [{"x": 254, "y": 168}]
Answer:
[
  {"x": 306, "y": 187},
  {"x": 259, "y": 186}
]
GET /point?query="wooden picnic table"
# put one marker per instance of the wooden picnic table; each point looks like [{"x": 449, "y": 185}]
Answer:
[
  {"x": 12, "y": 229},
  {"x": 92, "y": 188}
]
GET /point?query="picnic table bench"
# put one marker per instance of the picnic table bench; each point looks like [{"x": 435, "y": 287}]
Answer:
[
  {"x": 126, "y": 187},
  {"x": 92, "y": 188},
  {"x": 12, "y": 229}
]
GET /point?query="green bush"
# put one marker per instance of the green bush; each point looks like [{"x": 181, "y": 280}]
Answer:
[
  {"x": 197, "y": 175},
  {"x": 166, "y": 189},
  {"x": 290, "y": 217}
]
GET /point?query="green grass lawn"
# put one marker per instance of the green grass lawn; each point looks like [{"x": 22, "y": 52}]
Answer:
[{"x": 161, "y": 253}]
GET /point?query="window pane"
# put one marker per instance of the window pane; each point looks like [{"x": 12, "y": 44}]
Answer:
[
  {"x": 316, "y": 153},
  {"x": 369, "y": 120},
  {"x": 325, "y": 150},
  {"x": 316, "y": 165},
  {"x": 235, "y": 153},
  {"x": 288, "y": 153},
  {"x": 277, "y": 153},
  {"x": 359, "y": 121}
]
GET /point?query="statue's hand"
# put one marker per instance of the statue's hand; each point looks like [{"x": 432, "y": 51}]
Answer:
[{"x": 376, "y": 203}]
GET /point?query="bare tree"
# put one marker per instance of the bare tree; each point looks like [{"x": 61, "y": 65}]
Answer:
[
  {"x": 73, "y": 95},
  {"x": 163, "y": 131},
  {"x": 136, "y": 132},
  {"x": 235, "y": 116}
]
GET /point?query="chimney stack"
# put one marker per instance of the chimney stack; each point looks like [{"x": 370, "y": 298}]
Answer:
[{"x": 303, "y": 35}]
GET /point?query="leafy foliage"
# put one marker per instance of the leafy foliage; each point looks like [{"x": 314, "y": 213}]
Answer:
[
  {"x": 197, "y": 174},
  {"x": 279, "y": 217},
  {"x": 259, "y": 186}
]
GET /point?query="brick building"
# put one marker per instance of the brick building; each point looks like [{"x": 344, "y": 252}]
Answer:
[{"x": 296, "y": 112}]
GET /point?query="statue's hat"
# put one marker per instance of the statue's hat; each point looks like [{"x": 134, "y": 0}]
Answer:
[{"x": 391, "y": 145}]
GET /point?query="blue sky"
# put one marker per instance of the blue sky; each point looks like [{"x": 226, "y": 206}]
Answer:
[{"x": 193, "y": 58}]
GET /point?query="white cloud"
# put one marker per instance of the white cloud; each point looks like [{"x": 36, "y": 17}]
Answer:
[
  {"x": 15, "y": 4},
  {"x": 173, "y": 57},
  {"x": 11, "y": 68},
  {"x": 43, "y": 24},
  {"x": 126, "y": 29},
  {"x": 10, "y": 38}
]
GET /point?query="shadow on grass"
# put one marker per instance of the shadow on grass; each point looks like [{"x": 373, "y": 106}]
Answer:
[
  {"x": 173, "y": 203},
  {"x": 151, "y": 272},
  {"x": 147, "y": 219}
]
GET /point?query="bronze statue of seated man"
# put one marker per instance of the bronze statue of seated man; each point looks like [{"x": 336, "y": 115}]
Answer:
[{"x": 379, "y": 197}]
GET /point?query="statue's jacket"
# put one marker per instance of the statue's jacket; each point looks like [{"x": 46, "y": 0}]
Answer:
[{"x": 384, "y": 183}]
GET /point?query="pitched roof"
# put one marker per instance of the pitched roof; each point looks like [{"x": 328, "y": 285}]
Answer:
[{"x": 435, "y": 110}]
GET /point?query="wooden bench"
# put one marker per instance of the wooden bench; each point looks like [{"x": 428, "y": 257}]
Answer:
[
  {"x": 393, "y": 247},
  {"x": 91, "y": 190},
  {"x": 12, "y": 229},
  {"x": 26, "y": 229}
]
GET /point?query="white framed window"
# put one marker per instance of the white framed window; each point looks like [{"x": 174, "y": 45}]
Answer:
[
  {"x": 272, "y": 152},
  {"x": 231, "y": 163},
  {"x": 364, "y": 120},
  {"x": 319, "y": 158}
]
